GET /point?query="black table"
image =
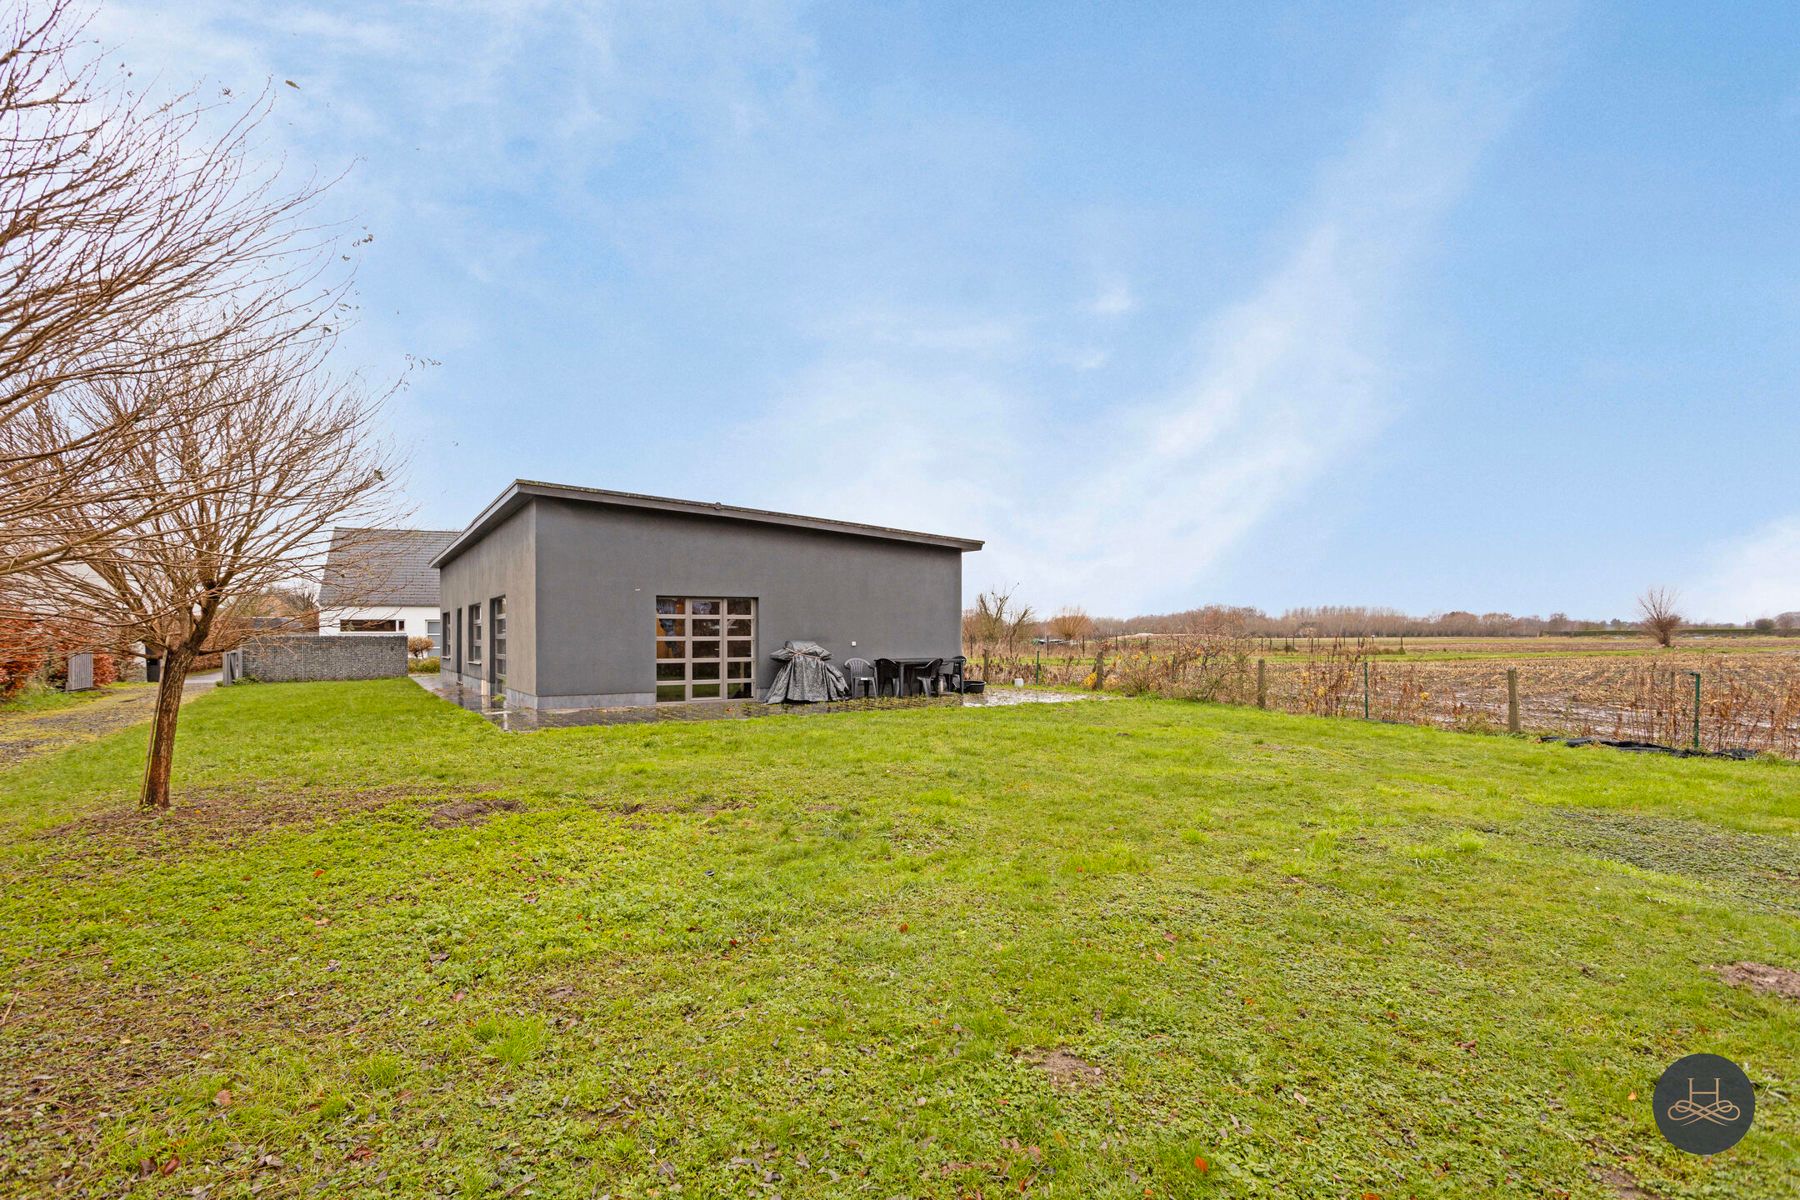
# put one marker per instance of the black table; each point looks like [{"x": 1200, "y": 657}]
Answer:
[{"x": 909, "y": 669}]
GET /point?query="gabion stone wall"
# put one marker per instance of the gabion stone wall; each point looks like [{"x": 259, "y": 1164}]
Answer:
[{"x": 301, "y": 658}]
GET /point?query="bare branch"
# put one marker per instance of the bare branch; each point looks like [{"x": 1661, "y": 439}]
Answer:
[
  {"x": 120, "y": 219},
  {"x": 1660, "y": 619},
  {"x": 263, "y": 456}
]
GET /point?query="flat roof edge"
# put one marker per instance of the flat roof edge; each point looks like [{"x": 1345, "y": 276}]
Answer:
[{"x": 522, "y": 489}]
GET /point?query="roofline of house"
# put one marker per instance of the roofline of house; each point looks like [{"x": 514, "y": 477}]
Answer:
[
  {"x": 521, "y": 491},
  {"x": 337, "y": 529}
]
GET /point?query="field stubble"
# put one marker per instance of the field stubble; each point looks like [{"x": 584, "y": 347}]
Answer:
[{"x": 1749, "y": 694}]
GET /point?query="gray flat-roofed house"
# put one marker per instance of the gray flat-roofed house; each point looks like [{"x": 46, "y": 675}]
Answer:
[{"x": 573, "y": 597}]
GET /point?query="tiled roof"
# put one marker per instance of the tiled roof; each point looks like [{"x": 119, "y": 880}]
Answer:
[{"x": 383, "y": 568}]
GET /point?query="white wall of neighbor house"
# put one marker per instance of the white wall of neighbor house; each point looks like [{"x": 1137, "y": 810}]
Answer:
[{"x": 413, "y": 622}]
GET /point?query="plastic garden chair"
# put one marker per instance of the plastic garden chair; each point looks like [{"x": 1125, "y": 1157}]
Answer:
[{"x": 860, "y": 674}]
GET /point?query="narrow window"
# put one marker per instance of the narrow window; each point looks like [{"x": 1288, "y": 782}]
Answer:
[
  {"x": 497, "y": 633},
  {"x": 474, "y": 635}
]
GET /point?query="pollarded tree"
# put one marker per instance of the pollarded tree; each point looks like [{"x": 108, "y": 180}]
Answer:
[
  {"x": 267, "y": 454},
  {"x": 1071, "y": 625},
  {"x": 1658, "y": 615}
]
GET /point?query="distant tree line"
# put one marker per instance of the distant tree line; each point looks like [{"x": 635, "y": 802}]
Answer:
[{"x": 1350, "y": 621}]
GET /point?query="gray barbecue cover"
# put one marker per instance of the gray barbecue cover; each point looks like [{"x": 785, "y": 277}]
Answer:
[{"x": 805, "y": 677}]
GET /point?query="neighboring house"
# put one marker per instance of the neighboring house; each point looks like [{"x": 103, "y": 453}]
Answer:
[
  {"x": 382, "y": 581},
  {"x": 572, "y": 597}
]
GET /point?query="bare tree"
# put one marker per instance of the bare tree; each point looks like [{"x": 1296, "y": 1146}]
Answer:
[
  {"x": 1071, "y": 625},
  {"x": 269, "y": 454},
  {"x": 996, "y": 622},
  {"x": 120, "y": 215},
  {"x": 1659, "y": 618}
]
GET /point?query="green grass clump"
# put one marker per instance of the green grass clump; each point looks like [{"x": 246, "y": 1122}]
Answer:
[{"x": 1102, "y": 949}]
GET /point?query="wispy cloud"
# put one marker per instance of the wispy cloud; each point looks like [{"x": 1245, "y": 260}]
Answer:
[
  {"x": 1294, "y": 377},
  {"x": 690, "y": 156},
  {"x": 1754, "y": 575},
  {"x": 481, "y": 144},
  {"x": 1284, "y": 384},
  {"x": 1114, "y": 299}
]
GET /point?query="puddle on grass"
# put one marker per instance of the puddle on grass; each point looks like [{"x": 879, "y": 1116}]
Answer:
[{"x": 527, "y": 720}]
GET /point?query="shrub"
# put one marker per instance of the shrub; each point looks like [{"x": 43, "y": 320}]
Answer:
[
  {"x": 423, "y": 666},
  {"x": 22, "y": 655},
  {"x": 418, "y": 647}
]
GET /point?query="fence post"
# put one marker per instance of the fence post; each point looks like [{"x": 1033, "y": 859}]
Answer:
[
  {"x": 1365, "y": 689},
  {"x": 1696, "y": 676},
  {"x": 1512, "y": 699},
  {"x": 1262, "y": 683}
]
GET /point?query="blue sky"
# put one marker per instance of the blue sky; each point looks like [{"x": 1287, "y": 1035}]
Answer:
[{"x": 1485, "y": 307}]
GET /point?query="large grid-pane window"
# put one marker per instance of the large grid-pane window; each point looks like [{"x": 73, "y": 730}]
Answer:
[
  {"x": 474, "y": 635},
  {"x": 705, "y": 648},
  {"x": 435, "y": 631},
  {"x": 497, "y": 635}
]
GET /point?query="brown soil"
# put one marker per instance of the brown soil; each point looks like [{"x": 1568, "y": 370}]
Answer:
[
  {"x": 1067, "y": 1070},
  {"x": 1623, "y": 1185},
  {"x": 470, "y": 812},
  {"x": 225, "y": 817},
  {"x": 1761, "y": 977}
]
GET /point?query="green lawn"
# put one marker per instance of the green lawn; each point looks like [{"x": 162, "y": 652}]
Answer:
[
  {"x": 1104, "y": 949},
  {"x": 44, "y": 699}
]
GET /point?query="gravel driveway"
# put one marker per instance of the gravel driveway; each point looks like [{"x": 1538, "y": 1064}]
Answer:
[{"x": 25, "y": 736}]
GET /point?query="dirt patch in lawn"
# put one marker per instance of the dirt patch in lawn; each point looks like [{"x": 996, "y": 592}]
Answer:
[
  {"x": 470, "y": 812},
  {"x": 1067, "y": 1071},
  {"x": 1623, "y": 1185},
  {"x": 1761, "y": 977},
  {"x": 225, "y": 817}
]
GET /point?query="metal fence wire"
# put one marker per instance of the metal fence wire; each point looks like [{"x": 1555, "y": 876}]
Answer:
[{"x": 1708, "y": 702}]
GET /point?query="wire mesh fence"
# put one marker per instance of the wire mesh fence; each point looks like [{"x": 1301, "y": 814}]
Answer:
[{"x": 1711, "y": 702}]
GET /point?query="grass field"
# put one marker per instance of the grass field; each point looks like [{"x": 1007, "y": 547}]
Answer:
[
  {"x": 1138, "y": 948},
  {"x": 44, "y": 700}
]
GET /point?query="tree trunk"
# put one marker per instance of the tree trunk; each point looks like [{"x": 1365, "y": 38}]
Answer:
[{"x": 155, "y": 795}]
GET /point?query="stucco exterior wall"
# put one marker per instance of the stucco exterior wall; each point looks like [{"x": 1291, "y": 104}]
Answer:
[
  {"x": 600, "y": 569},
  {"x": 414, "y": 622},
  {"x": 504, "y": 563}
]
